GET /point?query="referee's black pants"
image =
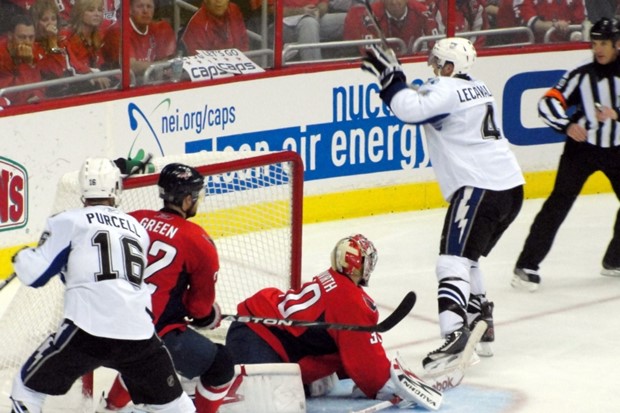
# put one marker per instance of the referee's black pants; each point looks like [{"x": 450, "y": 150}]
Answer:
[{"x": 577, "y": 163}]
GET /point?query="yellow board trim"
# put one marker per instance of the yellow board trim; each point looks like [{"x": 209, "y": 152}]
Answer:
[{"x": 378, "y": 201}]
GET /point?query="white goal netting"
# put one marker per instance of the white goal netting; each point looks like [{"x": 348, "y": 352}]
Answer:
[{"x": 252, "y": 209}]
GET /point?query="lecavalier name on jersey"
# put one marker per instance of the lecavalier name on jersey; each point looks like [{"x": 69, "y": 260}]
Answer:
[
  {"x": 159, "y": 227},
  {"x": 467, "y": 94},
  {"x": 112, "y": 221}
]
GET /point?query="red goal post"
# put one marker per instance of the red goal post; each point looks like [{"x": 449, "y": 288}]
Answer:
[{"x": 253, "y": 211}]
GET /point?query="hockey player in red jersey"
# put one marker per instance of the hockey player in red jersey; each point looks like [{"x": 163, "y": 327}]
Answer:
[
  {"x": 182, "y": 272},
  {"x": 334, "y": 296}
]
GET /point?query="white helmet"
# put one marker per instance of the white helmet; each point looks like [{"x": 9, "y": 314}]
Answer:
[
  {"x": 456, "y": 50},
  {"x": 100, "y": 178},
  {"x": 355, "y": 255}
]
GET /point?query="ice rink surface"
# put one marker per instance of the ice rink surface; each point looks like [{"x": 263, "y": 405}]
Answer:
[{"x": 556, "y": 350}]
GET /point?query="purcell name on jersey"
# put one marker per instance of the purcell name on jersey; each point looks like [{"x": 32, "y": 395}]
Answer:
[
  {"x": 100, "y": 253},
  {"x": 97, "y": 218}
]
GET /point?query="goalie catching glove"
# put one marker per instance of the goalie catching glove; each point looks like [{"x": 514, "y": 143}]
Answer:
[
  {"x": 409, "y": 388},
  {"x": 384, "y": 65},
  {"x": 210, "y": 322}
]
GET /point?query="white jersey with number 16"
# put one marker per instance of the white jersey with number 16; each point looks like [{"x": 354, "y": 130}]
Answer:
[{"x": 99, "y": 251}]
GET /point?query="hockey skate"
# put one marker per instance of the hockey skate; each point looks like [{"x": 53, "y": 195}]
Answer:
[
  {"x": 448, "y": 353},
  {"x": 525, "y": 279},
  {"x": 610, "y": 271},
  {"x": 443, "y": 376},
  {"x": 483, "y": 348}
]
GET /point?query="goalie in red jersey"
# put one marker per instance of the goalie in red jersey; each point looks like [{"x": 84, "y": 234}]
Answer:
[{"x": 334, "y": 296}]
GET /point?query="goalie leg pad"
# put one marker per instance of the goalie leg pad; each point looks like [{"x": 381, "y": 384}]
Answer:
[
  {"x": 266, "y": 388},
  {"x": 410, "y": 387}
]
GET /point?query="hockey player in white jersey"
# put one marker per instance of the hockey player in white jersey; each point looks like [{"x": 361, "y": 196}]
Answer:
[
  {"x": 99, "y": 253},
  {"x": 477, "y": 173}
]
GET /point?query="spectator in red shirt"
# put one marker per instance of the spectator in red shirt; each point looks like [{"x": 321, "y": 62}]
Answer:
[
  {"x": 18, "y": 65},
  {"x": 405, "y": 19},
  {"x": 506, "y": 14},
  {"x": 217, "y": 24},
  {"x": 50, "y": 48},
  {"x": 149, "y": 41},
  {"x": 85, "y": 40},
  {"x": 543, "y": 15},
  {"x": 24, "y": 6}
]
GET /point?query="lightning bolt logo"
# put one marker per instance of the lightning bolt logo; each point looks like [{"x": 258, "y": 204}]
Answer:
[{"x": 461, "y": 219}]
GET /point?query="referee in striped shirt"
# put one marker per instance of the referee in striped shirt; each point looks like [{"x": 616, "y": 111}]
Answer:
[{"x": 592, "y": 144}]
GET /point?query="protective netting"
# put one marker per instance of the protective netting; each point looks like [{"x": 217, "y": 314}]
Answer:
[{"x": 250, "y": 209}]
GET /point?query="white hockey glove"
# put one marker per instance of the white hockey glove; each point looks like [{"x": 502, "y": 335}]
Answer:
[
  {"x": 210, "y": 322},
  {"x": 410, "y": 388},
  {"x": 384, "y": 65}
]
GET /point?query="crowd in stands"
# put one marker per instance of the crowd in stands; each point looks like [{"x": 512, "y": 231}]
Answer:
[{"x": 51, "y": 39}]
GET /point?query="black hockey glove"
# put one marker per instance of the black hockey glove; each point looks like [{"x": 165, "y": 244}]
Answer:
[
  {"x": 130, "y": 166},
  {"x": 210, "y": 322},
  {"x": 140, "y": 164},
  {"x": 384, "y": 64}
]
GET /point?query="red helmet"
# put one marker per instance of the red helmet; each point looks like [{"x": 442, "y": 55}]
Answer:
[{"x": 355, "y": 255}]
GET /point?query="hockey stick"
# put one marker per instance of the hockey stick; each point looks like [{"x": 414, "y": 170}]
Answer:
[
  {"x": 376, "y": 23},
  {"x": 379, "y": 406},
  {"x": 397, "y": 315},
  {"x": 4, "y": 283}
]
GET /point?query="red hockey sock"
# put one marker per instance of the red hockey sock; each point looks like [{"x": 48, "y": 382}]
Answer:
[
  {"x": 118, "y": 396},
  {"x": 208, "y": 399}
]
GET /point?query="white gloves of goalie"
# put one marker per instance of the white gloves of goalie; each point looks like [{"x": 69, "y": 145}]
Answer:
[
  {"x": 404, "y": 389},
  {"x": 384, "y": 65}
]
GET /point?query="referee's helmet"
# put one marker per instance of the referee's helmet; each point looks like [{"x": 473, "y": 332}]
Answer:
[{"x": 605, "y": 29}]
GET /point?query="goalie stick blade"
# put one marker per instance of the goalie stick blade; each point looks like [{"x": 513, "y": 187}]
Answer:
[
  {"x": 472, "y": 342},
  {"x": 375, "y": 407}
]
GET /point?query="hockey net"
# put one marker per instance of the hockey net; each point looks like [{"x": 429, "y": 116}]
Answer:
[{"x": 252, "y": 210}]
